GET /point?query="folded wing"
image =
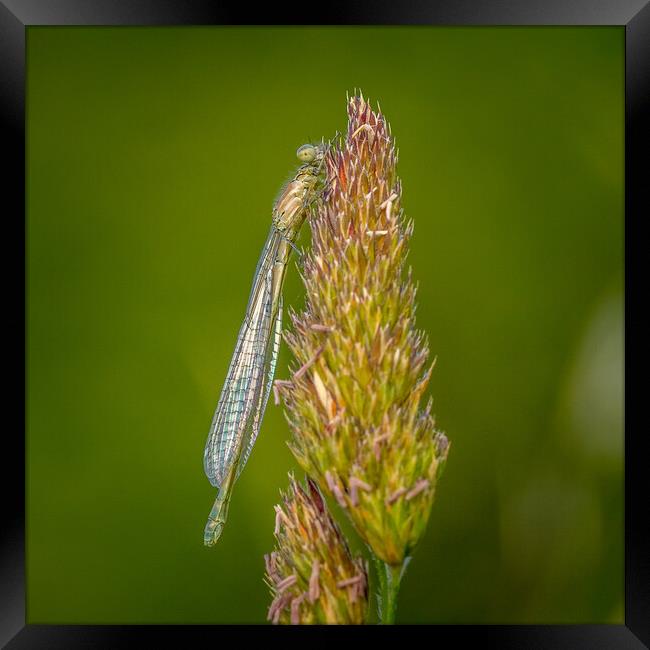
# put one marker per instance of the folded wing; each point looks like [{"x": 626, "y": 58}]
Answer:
[{"x": 239, "y": 412}]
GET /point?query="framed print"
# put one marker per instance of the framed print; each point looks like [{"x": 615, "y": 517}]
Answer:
[{"x": 390, "y": 241}]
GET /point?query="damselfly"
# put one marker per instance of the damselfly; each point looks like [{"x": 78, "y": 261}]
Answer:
[{"x": 239, "y": 413}]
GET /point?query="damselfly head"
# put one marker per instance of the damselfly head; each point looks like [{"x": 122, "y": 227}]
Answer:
[{"x": 307, "y": 153}]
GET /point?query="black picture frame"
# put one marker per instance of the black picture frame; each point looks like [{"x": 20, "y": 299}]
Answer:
[{"x": 634, "y": 15}]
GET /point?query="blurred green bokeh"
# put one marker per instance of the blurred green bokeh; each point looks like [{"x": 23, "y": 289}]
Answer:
[{"x": 153, "y": 158}]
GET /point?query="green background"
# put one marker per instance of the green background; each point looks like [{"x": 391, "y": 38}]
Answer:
[{"x": 153, "y": 159}]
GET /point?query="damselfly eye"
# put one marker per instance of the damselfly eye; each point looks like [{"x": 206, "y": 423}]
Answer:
[{"x": 306, "y": 153}]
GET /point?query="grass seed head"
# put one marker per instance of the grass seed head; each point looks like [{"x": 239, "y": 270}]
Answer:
[
  {"x": 355, "y": 401},
  {"x": 312, "y": 575}
]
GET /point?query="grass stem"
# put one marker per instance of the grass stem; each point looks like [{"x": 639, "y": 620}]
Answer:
[{"x": 390, "y": 577}]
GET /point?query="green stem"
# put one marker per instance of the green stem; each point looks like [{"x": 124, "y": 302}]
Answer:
[{"x": 390, "y": 577}]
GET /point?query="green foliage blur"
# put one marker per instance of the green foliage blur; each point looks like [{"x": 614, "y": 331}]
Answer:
[{"x": 153, "y": 158}]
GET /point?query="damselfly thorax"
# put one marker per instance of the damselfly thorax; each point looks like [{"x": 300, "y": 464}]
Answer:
[{"x": 291, "y": 206}]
